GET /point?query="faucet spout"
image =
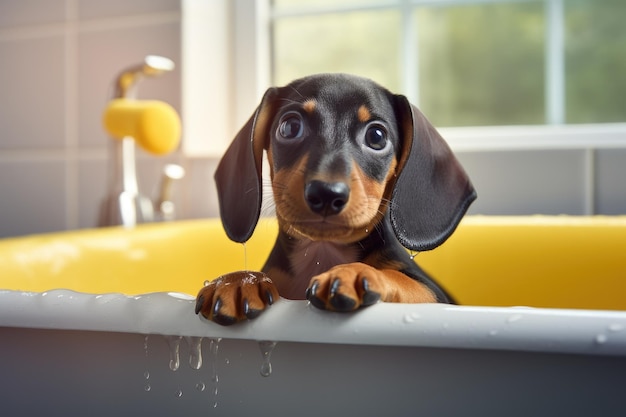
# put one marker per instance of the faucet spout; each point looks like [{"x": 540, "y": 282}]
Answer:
[{"x": 124, "y": 205}]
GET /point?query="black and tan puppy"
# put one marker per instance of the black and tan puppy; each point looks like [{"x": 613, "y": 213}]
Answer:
[{"x": 358, "y": 175}]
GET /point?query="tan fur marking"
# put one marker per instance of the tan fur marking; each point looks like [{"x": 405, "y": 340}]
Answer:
[
  {"x": 309, "y": 105},
  {"x": 363, "y": 114}
]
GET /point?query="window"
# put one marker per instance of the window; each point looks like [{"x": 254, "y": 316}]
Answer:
[
  {"x": 483, "y": 71},
  {"x": 467, "y": 62}
]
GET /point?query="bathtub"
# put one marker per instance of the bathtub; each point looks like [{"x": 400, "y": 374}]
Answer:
[{"x": 101, "y": 322}]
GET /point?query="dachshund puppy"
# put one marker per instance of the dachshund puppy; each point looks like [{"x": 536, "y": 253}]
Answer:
[{"x": 358, "y": 175}]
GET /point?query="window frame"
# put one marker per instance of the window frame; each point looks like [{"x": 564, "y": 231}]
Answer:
[{"x": 241, "y": 68}]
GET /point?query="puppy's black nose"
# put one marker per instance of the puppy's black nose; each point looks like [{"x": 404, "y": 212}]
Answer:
[{"x": 326, "y": 198}]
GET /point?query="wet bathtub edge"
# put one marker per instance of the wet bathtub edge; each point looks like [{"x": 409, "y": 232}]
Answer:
[{"x": 422, "y": 325}]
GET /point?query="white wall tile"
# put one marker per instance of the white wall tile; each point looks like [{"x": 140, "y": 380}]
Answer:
[
  {"x": 30, "y": 12},
  {"x": 526, "y": 182},
  {"x": 32, "y": 93},
  {"x": 610, "y": 181},
  {"x": 33, "y": 197},
  {"x": 89, "y": 9}
]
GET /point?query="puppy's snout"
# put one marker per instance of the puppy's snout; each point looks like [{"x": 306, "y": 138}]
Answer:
[{"x": 326, "y": 198}]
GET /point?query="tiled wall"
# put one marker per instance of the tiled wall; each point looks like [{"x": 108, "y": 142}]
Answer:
[{"x": 58, "y": 59}]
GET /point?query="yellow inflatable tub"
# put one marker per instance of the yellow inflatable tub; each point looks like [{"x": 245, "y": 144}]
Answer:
[{"x": 537, "y": 261}]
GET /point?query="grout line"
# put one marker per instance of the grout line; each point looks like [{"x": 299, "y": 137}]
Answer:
[
  {"x": 71, "y": 115},
  {"x": 46, "y": 155},
  {"x": 121, "y": 22},
  {"x": 93, "y": 25}
]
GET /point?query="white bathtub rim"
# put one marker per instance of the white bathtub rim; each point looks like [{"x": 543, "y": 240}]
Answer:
[{"x": 589, "y": 332}]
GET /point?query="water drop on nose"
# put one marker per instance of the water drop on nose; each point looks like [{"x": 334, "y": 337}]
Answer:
[{"x": 267, "y": 347}]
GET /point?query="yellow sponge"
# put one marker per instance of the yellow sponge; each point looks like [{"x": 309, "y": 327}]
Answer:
[{"x": 155, "y": 125}]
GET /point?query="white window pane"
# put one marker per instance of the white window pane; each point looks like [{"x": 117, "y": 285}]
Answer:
[
  {"x": 595, "y": 61},
  {"x": 362, "y": 43},
  {"x": 482, "y": 64}
]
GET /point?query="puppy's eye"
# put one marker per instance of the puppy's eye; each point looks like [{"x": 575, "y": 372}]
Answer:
[
  {"x": 291, "y": 126},
  {"x": 376, "y": 137}
]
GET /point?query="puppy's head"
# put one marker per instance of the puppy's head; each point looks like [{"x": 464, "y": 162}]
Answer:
[{"x": 343, "y": 151}]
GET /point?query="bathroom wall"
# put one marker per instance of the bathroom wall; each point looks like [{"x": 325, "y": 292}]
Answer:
[{"x": 58, "y": 59}]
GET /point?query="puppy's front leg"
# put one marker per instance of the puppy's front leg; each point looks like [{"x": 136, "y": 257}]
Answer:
[
  {"x": 235, "y": 297},
  {"x": 350, "y": 286}
]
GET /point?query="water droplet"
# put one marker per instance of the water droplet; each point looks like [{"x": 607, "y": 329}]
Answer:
[
  {"x": 514, "y": 318},
  {"x": 200, "y": 386},
  {"x": 146, "y": 375},
  {"x": 195, "y": 352},
  {"x": 413, "y": 255},
  {"x": 493, "y": 333},
  {"x": 410, "y": 318},
  {"x": 179, "y": 393},
  {"x": 227, "y": 361},
  {"x": 147, "y": 388},
  {"x": 616, "y": 327},
  {"x": 601, "y": 339},
  {"x": 214, "y": 345},
  {"x": 174, "y": 342},
  {"x": 245, "y": 256},
  {"x": 207, "y": 282},
  {"x": 267, "y": 347}
]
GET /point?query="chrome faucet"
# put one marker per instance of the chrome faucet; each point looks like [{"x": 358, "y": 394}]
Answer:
[{"x": 125, "y": 205}]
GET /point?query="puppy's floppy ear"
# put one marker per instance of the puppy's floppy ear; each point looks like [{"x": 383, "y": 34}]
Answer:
[
  {"x": 432, "y": 191},
  {"x": 238, "y": 175}
]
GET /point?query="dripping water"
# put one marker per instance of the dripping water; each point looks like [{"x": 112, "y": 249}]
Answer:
[
  {"x": 245, "y": 256},
  {"x": 214, "y": 345},
  {"x": 174, "y": 342},
  {"x": 413, "y": 254},
  {"x": 146, "y": 374},
  {"x": 195, "y": 358},
  {"x": 195, "y": 352},
  {"x": 266, "y": 347}
]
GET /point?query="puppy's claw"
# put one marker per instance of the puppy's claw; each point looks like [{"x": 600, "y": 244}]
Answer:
[
  {"x": 236, "y": 297},
  {"x": 311, "y": 295},
  {"x": 369, "y": 297},
  {"x": 250, "y": 313},
  {"x": 343, "y": 303},
  {"x": 334, "y": 287},
  {"x": 338, "y": 301},
  {"x": 310, "y": 292},
  {"x": 199, "y": 303}
]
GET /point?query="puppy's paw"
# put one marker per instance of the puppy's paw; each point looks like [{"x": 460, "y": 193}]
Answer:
[
  {"x": 346, "y": 287},
  {"x": 235, "y": 297}
]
